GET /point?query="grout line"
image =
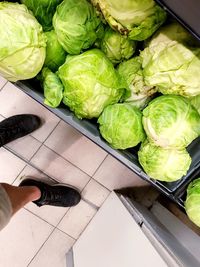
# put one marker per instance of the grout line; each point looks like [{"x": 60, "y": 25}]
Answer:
[
  {"x": 65, "y": 233},
  {"x": 47, "y": 240},
  {"x": 99, "y": 165},
  {"x": 39, "y": 217},
  {"x": 41, "y": 246},
  {"x": 29, "y": 160},
  {"x": 67, "y": 160},
  {"x": 49, "y": 222},
  {"x": 90, "y": 204},
  {"x": 49, "y": 133},
  {"x": 86, "y": 225},
  {"x": 3, "y": 86}
]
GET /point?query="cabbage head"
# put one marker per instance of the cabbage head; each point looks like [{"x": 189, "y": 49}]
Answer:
[
  {"x": 171, "y": 62},
  {"x": 138, "y": 19},
  {"x": 167, "y": 165},
  {"x": 139, "y": 93},
  {"x": 121, "y": 126},
  {"x": 43, "y": 10},
  {"x": 195, "y": 101},
  {"x": 55, "y": 54},
  {"x": 53, "y": 88},
  {"x": 22, "y": 45},
  {"x": 117, "y": 47},
  {"x": 192, "y": 203},
  {"x": 171, "y": 121},
  {"x": 91, "y": 83},
  {"x": 76, "y": 25}
]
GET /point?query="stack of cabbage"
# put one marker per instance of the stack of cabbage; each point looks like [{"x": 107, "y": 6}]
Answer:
[
  {"x": 171, "y": 124},
  {"x": 88, "y": 57}
]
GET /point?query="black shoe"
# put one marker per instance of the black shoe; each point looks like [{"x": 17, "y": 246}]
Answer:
[
  {"x": 18, "y": 126},
  {"x": 55, "y": 195}
]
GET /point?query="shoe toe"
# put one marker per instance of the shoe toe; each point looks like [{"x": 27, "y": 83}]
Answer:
[{"x": 75, "y": 197}]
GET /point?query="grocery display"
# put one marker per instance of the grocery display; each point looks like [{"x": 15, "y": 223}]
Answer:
[{"x": 97, "y": 74}]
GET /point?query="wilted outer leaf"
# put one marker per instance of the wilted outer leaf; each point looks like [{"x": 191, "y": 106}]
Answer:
[{"x": 138, "y": 19}]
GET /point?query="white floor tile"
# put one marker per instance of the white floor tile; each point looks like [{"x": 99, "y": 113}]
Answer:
[
  {"x": 76, "y": 219},
  {"x": 76, "y": 148},
  {"x": 114, "y": 175},
  {"x": 58, "y": 168},
  {"x": 48, "y": 213},
  {"x": 22, "y": 238},
  {"x": 10, "y": 166},
  {"x": 95, "y": 193},
  {"x": 2, "y": 82},
  {"x": 30, "y": 171},
  {"x": 53, "y": 253},
  {"x": 25, "y": 147},
  {"x": 13, "y": 101}
]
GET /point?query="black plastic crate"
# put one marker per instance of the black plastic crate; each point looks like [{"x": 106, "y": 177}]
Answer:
[
  {"x": 187, "y": 12},
  {"x": 182, "y": 191},
  {"x": 128, "y": 157}
]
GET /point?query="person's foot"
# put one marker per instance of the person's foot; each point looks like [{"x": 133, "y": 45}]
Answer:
[
  {"x": 54, "y": 195},
  {"x": 18, "y": 126}
]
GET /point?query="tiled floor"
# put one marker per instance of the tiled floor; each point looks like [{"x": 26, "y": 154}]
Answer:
[{"x": 39, "y": 237}]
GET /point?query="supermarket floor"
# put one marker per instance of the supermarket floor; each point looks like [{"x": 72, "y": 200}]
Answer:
[{"x": 38, "y": 237}]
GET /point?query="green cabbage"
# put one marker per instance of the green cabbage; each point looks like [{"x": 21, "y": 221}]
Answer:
[
  {"x": 121, "y": 126},
  {"x": 167, "y": 165},
  {"x": 76, "y": 25},
  {"x": 23, "y": 44},
  {"x": 171, "y": 62},
  {"x": 117, "y": 47},
  {"x": 192, "y": 203},
  {"x": 131, "y": 71},
  {"x": 138, "y": 19},
  {"x": 55, "y": 54},
  {"x": 171, "y": 121},
  {"x": 53, "y": 88},
  {"x": 43, "y": 10},
  {"x": 91, "y": 83},
  {"x": 195, "y": 101}
]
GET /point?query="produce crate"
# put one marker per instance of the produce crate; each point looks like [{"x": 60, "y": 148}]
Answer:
[{"x": 128, "y": 157}]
